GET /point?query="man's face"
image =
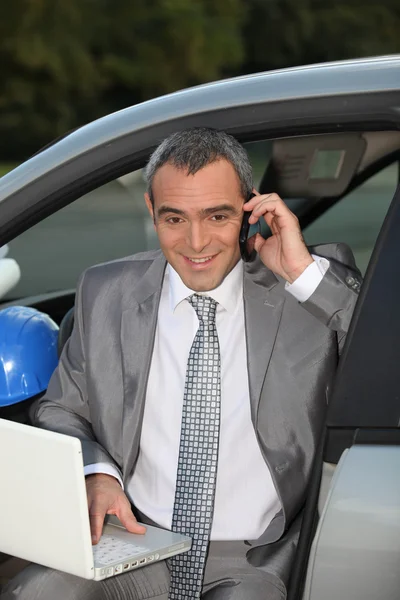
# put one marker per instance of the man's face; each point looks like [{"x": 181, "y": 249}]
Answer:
[{"x": 197, "y": 220}]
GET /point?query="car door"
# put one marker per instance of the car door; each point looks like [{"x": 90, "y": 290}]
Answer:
[{"x": 356, "y": 544}]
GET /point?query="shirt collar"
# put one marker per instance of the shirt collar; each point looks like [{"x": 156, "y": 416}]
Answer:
[{"x": 227, "y": 294}]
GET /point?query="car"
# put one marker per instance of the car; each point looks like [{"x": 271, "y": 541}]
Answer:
[{"x": 326, "y": 138}]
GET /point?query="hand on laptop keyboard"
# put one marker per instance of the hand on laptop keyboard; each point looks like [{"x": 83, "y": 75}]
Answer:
[{"x": 106, "y": 497}]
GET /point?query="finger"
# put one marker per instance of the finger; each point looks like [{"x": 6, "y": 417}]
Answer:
[
  {"x": 273, "y": 225},
  {"x": 97, "y": 512},
  {"x": 128, "y": 520},
  {"x": 96, "y": 520},
  {"x": 250, "y": 204},
  {"x": 258, "y": 242},
  {"x": 250, "y": 243},
  {"x": 270, "y": 219},
  {"x": 263, "y": 208},
  {"x": 274, "y": 205}
]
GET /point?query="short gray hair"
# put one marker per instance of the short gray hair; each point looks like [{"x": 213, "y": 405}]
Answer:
[{"x": 192, "y": 149}]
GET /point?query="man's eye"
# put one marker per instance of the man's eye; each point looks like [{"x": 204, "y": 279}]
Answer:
[
  {"x": 174, "y": 220},
  {"x": 218, "y": 218}
]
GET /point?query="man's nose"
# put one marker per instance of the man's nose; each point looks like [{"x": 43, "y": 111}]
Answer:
[{"x": 199, "y": 237}]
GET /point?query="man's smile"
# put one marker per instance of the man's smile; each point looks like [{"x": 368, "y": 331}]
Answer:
[{"x": 201, "y": 262}]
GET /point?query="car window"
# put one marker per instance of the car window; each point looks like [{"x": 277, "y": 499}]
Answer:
[
  {"x": 259, "y": 154},
  {"x": 109, "y": 222},
  {"x": 357, "y": 218}
]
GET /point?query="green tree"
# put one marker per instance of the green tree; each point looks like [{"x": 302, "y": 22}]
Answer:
[
  {"x": 48, "y": 75},
  {"x": 168, "y": 44},
  {"x": 65, "y": 63},
  {"x": 284, "y": 33}
]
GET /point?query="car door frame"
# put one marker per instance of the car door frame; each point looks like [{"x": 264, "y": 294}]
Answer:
[
  {"x": 367, "y": 370},
  {"x": 368, "y": 99}
]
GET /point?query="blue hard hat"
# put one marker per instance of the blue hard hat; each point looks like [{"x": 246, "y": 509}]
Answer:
[{"x": 28, "y": 353}]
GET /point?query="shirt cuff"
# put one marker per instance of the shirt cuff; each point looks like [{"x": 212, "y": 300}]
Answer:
[
  {"x": 305, "y": 285},
  {"x": 104, "y": 468}
]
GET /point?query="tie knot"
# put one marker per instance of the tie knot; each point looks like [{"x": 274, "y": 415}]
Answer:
[{"x": 205, "y": 307}]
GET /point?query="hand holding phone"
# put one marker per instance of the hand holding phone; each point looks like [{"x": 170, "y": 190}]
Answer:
[{"x": 282, "y": 250}]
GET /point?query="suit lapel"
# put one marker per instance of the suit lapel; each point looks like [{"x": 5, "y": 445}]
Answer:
[
  {"x": 262, "y": 309},
  {"x": 138, "y": 327}
]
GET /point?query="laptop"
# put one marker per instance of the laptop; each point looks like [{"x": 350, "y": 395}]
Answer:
[{"x": 44, "y": 514}]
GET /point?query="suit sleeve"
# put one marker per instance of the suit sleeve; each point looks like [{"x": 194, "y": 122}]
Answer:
[
  {"x": 64, "y": 408},
  {"x": 334, "y": 299}
]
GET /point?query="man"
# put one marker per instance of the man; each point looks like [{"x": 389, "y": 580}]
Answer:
[{"x": 221, "y": 450}]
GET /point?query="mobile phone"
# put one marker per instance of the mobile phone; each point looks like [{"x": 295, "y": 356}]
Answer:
[{"x": 244, "y": 234}]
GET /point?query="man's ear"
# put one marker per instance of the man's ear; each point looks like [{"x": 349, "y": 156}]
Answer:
[{"x": 149, "y": 206}]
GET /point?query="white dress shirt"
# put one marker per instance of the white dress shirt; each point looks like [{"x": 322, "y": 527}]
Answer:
[{"x": 245, "y": 498}]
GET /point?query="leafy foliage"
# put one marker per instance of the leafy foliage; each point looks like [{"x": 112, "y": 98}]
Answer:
[
  {"x": 66, "y": 63},
  {"x": 284, "y": 33}
]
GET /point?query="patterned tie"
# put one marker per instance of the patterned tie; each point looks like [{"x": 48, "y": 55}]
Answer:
[{"x": 198, "y": 453}]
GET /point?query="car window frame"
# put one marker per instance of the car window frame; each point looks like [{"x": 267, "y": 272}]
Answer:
[
  {"x": 370, "y": 342},
  {"x": 106, "y": 161}
]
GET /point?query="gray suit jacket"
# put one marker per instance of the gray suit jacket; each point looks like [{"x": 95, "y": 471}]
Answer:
[{"x": 98, "y": 391}]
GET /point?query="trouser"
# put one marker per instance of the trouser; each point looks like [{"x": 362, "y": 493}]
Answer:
[{"x": 228, "y": 576}]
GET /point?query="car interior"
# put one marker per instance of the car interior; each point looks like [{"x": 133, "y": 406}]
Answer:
[{"x": 340, "y": 185}]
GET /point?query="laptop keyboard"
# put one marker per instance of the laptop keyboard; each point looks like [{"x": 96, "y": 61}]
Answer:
[{"x": 111, "y": 549}]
